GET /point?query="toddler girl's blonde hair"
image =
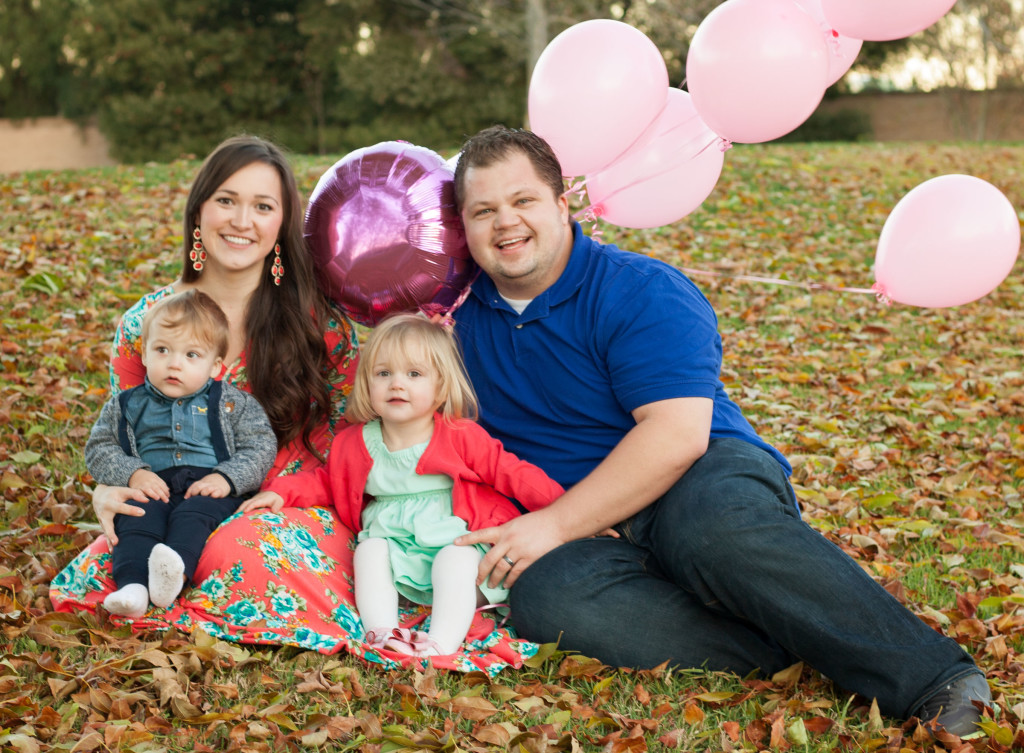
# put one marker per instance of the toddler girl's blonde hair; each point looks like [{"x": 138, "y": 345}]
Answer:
[{"x": 413, "y": 336}]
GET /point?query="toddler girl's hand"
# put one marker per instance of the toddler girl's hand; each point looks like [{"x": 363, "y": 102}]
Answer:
[
  {"x": 210, "y": 485},
  {"x": 150, "y": 484},
  {"x": 264, "y": 499}
]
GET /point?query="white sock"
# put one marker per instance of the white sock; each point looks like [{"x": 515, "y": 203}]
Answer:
[
  {"x": 376, "y": 596},
  {"x": 455, "y": 596},
  {"x": 130, "y": 601},
  {"x": 166, "y": 575}
]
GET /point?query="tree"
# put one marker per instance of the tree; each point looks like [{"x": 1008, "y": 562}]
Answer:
[
  {"x": 976, "y": 48},
  {"x": 33, "y": 69},
  {"x": 174, "y": 78},
  {"x": 316, "y": 75}
]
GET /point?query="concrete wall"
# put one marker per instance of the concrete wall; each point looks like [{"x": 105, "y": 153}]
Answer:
[
  {"x": 948, "y": 115},
  {"x": 50, "y": 144},
  {"x": 54, "y": 143}
]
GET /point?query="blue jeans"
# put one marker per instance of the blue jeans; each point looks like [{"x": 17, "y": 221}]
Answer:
[{"x": 722, "y": 573}]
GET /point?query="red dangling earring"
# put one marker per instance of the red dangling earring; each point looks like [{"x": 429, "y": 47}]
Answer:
[
  {"x": 277, "y": 268},
  {"x": 198, "y": 253}
]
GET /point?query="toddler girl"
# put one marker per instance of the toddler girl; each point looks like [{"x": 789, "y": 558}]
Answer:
[{"x": 416, "y": 473}]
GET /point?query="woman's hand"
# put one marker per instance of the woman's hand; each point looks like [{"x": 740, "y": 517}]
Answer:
[
  {"x": 264, "y": 499},
  {"x": 108, "y": 501}
]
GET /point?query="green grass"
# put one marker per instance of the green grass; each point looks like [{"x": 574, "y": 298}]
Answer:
[{"x": 903, "y": 424}]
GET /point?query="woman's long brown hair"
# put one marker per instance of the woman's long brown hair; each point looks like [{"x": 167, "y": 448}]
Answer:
[{"x": 286, "y": 358}]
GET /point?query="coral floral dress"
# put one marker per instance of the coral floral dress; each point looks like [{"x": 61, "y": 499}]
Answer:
[{"x": 273, "y": 578}]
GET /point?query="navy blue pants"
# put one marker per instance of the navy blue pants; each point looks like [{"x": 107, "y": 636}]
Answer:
[
  {"x": 721, "y": 572},
  {"x": 182, "y": 524}
]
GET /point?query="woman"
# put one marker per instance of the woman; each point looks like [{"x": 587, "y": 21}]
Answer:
[
  {"x": 287, "y": 346},
  {"x": 283, "y": 578}
]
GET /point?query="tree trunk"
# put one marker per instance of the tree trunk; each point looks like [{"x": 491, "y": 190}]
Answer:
[{"x": 536, "y": 39}]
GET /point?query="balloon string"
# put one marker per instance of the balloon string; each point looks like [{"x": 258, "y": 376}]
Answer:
[
  {"x": 723, "y": 144},
  {"x": 578, "y": 187},
  {"x": 876, "y": 290},
  {"x": 640, "y": 136},
  {"x": 832, "y": 40}
]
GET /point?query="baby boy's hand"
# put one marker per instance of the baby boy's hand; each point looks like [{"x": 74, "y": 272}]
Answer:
[
  {"x": 211, "y": 485},
  {"x": 150, "y": 484}
]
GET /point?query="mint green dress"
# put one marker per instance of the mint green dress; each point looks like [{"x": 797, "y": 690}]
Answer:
[{"x": 414, "y": 513}]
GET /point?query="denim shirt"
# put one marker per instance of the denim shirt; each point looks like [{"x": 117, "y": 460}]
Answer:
[{"x": 172, "y": 432}]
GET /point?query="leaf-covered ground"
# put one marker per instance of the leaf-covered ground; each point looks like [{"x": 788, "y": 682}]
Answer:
[{"x": 904, "y": 426}]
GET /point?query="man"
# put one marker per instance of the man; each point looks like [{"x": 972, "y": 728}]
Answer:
[{"x": 602, "y": 367}]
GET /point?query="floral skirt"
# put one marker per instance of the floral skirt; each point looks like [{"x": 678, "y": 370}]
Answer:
[{"x": 281, "y": 579}]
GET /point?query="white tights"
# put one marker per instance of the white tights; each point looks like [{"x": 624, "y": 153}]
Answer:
[{"x": 453, "y": 576}]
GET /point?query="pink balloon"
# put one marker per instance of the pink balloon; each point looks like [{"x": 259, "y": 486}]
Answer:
[
  {"x": 756, "y": 69},
  {"x": 842, "y": 49},
  {"x": 949, "y": 241},
  {"x": 385, "y": 236},
  {"x": 667, "y": 175},
  {"x": 881, "y": 20},
  {"x": 595, "y": 88}
]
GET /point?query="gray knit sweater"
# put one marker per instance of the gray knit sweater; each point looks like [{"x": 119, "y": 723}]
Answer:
[{"x": 243, "y": 440}]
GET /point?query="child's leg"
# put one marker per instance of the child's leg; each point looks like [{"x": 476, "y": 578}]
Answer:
[
  {"x": 136, "y": 538},
  {"x": 376, "y": 596},
  {"x": 166, "y": 575},
  {"x": 455, "y": 596},
  {"x": 173, "y": 563},
  {"x": 131, "y": 600}
]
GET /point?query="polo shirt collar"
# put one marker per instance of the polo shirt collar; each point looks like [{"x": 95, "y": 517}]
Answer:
[{"x": 565, "y": 286}]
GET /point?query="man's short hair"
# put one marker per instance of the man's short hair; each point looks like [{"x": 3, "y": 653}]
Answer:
[{"x": 498, "y": 143}]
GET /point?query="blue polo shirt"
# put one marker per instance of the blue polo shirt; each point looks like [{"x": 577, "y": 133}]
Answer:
[{"x": 616, "y": 331}]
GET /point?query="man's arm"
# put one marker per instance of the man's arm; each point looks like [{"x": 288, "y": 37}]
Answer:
[{"x": 669, "y": 436}]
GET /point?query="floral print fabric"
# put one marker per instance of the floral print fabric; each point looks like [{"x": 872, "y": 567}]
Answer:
[
  {"x": 286, "y": 579},
  {"x": 274, "y": 578}
]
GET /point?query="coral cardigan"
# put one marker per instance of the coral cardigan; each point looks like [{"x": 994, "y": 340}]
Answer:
[{"x": 485, "y": 476}]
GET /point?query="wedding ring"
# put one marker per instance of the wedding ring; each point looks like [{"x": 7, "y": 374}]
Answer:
[{"x": 510, "y": 562}]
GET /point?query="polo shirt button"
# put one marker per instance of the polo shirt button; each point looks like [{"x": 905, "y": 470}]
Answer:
[
  {"x": 177, "y": 455},
  {"x": 177, "y": 427},
  {"x": 519, "y": 326},
  {"x": 180, "y": 402}
]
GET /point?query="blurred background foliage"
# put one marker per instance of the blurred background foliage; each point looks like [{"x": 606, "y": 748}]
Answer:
[{"x": 171, "y": 79}]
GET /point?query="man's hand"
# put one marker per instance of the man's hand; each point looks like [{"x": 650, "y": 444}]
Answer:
[
  {"x": 264, "y": 499},
  {"x": 150, "y": 484},
  {"x": 210, "y": 485},
  {"x": 522, "y": 540}
]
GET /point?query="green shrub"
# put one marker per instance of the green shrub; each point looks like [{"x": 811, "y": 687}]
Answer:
[{"x": 847, "y": 124}]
